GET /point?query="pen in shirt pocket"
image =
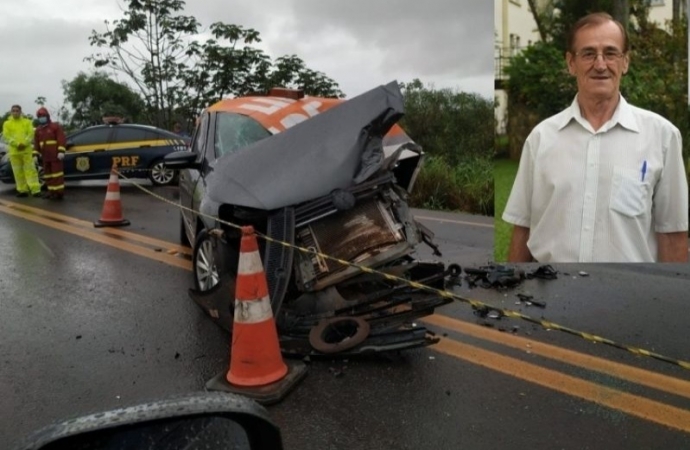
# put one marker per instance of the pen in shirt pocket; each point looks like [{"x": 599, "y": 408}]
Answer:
[{"x": 644, "y": 169}]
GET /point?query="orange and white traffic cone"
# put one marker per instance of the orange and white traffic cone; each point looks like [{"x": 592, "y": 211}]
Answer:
[
  {"x": 112, "y": 207},
  {"x": 257, "y": 369}
]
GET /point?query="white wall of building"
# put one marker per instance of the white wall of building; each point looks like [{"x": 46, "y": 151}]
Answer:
[
  {"x": 515, "y": 29},
  {"x": 660, "y": 11}
]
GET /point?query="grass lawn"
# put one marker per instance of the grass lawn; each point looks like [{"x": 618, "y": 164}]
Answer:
[{"x": 504, "y": 175}]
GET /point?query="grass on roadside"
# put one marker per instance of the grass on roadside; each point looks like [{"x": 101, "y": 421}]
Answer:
[
  {"x": 504, "y": 175},
  {"x": 466, "y": 187}
]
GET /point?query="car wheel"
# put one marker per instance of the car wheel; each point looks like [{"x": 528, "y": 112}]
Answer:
[
  {"x": 160, "y": 174},
  {"x": 204, "y": 262},
  {"x": 214, "y": 267}
]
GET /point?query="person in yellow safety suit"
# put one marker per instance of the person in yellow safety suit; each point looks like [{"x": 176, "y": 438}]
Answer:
[{"x": 18, "y": 133}]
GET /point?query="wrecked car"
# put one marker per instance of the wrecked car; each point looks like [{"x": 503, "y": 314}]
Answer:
[{"x": 328, "y": 175}]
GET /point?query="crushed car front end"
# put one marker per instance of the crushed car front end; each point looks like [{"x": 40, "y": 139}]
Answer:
[{"x": 336, "y": 234}]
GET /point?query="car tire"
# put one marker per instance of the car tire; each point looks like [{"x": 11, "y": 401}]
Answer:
[
  {"x": 160, "y": 175},
  {"x": 338, "y": 334},
  {"x": 205, "y": 262},
  {"x": 212, "y": 263}
]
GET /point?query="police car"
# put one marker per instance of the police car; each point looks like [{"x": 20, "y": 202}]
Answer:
[{"x": 138, "y": 151}]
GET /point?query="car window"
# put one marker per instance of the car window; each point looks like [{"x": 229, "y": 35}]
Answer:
[
  {"x": 154, "y": 134},
  {"x": 127, "y": 134},
  {"x": 91, "y": 137},
  {"x": 235, "y": 131}
]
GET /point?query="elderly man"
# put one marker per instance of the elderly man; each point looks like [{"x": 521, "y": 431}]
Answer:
[{"x": 602, "y": 181}]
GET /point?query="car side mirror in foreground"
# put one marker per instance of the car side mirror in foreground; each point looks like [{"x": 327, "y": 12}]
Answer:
[
  {"x": 209, "y": 420},
  {"x": 181, "y": 160}
]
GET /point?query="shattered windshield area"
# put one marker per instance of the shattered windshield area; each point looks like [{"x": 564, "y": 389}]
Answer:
[{"x": 235, "y": 131}]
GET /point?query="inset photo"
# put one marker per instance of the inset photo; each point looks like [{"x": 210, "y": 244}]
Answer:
[{"x": 592, "y": 136}]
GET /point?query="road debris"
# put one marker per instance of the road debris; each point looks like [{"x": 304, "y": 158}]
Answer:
[
  {"x": 494, "y": 276},
  {"x": 545, "y": 272},
  {"x": 530, "y": 301},
  {"x": 454, "y": 275}
]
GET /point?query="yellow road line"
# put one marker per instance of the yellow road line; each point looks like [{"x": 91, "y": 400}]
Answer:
[
  {"x": 101, "y": 238},
  {"x": 169, "y": 247},
  {"x": 640, "y": 376},
  {"x": 461, "y": 222},
  {"x": 634, "y": 405}
]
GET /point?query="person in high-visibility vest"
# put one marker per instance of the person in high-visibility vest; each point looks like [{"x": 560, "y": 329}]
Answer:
[
  {"x": 18, "y": 133},
  {"x": 50, "y": 142}
]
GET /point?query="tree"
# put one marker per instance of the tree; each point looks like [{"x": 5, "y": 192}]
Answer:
[
  {"x": 155, "y": 46},
  {"x": 539, "y": 84},
  {"x": 456, "y": 131},
  {"x": 447, "y": 123},
  {"x": 147, "y": 45},
  {"x": 92, "y": 96},
  {"x": 556, "y": 17},
  {"x": 539, "y": 17}
]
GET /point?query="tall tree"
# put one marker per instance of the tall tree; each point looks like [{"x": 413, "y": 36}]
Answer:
[
  {"x": 447, "y": 123},
  {"x": 155, "y": 46},
  {"x": 148, "y": 45},
  {"x": 557, "y": 26},
  {"x": 539, "y": 18},
  {"x": 92, "y": 96},
  {"x": 539, "y": 84}
]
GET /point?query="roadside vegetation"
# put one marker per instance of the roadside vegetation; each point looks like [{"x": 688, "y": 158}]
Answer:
[
  {"x": 505, "y": 171},
  {"x": 456, "y": 130}
]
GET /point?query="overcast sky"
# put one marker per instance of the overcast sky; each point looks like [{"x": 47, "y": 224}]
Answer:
[{"x": 358, "y": 43}]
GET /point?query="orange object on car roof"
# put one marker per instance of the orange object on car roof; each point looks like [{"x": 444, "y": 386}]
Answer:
[{"x": 279, "y": 112}]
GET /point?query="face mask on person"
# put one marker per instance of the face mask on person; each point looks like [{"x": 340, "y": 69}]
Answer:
[{"x": 43, "y": 120}]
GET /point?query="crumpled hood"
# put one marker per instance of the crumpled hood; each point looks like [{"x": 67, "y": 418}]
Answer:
[{"x": 336, "y": 149}]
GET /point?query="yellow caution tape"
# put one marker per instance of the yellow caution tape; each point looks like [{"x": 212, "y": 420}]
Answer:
[{"x": 476, "y": 304}]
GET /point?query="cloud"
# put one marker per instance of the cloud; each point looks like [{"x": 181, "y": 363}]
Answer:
[{"x": 358, "y": 43}]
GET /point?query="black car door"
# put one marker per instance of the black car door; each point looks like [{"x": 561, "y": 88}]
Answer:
[
  {"x": 87, "y": 155},
  {"x": 131, "y": 147}
]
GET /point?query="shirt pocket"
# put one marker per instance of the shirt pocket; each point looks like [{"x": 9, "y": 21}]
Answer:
[{"x": 628, "y": 193}]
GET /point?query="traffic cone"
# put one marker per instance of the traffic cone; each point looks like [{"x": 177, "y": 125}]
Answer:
[
  {"x": 257, "y": 369},
  {"x": 112, "y": 207}
]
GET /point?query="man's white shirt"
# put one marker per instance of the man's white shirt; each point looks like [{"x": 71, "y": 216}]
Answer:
[{"x": 600, "y": 196}]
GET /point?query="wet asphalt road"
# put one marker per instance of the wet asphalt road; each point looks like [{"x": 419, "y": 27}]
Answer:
[{"x": 85, "y": 326}]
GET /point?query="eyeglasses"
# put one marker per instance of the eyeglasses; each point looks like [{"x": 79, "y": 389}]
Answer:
[{"x": 590, "y": 55}]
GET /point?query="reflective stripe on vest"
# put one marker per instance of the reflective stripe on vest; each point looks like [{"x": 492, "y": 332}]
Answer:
[{"x": 48, "y": 143}]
